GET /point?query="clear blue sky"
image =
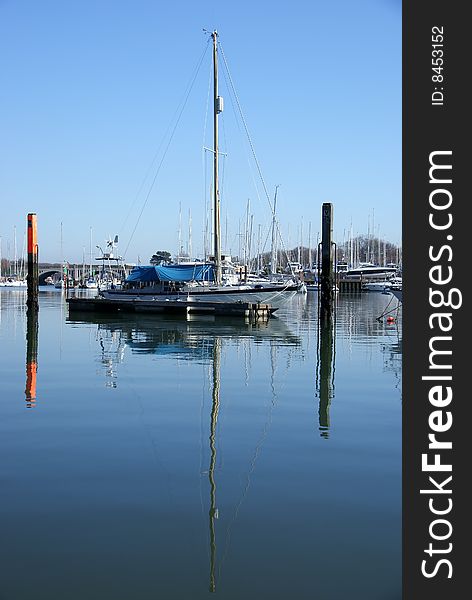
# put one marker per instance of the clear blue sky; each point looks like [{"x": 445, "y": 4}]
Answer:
[{"x": 89, "y": 89}]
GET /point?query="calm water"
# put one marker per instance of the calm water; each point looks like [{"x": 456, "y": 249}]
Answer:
[{"x": 163, "y": 458}]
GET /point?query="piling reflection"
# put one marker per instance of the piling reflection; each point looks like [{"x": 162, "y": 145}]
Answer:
[
  {"x": 325, "y": 370},
  {"x": 392, "y": 353},
  {"x": 32, "y": 330}
]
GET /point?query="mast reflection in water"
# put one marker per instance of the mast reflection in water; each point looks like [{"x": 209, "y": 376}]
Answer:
[
  {"x": 211, "y": 471},
  {"x": 200, "y": 339}
]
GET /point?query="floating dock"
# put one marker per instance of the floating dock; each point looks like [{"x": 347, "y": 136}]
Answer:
[{"x": 183, "y": 307}]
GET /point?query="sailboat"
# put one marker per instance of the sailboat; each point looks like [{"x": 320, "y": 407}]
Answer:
[
  {"x": 15, "y": 279},
  {"x": 209, "y": 281}
]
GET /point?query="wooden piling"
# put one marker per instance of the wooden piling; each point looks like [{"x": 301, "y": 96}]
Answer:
[
  {"x": 33, "y": 268},
  {"x": 326, "y": 276}
]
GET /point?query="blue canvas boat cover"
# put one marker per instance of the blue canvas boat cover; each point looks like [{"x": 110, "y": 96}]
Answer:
[{"x": 203, "y": 272}]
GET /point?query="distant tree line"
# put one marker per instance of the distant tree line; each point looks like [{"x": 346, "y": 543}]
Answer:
[
  {"x": 362, "y": 248},
  {"x": 160, "y": 257}
]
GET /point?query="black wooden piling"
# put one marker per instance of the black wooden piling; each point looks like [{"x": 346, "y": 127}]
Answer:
[
  {"x": 326, "y": 276},
  {"x": 325, "y": 325},
  {"x": 33, "y": 265}
]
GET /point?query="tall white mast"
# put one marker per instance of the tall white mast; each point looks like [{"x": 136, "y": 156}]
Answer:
[
  {"x": 273, "y": 250},
  {"x": 378, "y": 236},
  {"x": 62, "y": 247},
  {"x": 250, "y": 242},
  {"x": 217, "y": 108},
  {"x": 310, "y": 262},
  {"x": 351, "y": 254},
  {"x": 300, "y": 251},
  {"x": 190, "y": 251},
  {"x": 259, "y": 231},
  {"x": 15, "y": 263},
  {"x": 246, "y": 236},
  {"x": 179, "y": 251},
  {"x": 91, "y": 253}
]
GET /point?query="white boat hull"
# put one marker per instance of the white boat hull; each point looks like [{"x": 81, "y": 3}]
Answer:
[
  {"x": 14, "y": 283},
  {"x": 376, "y": 286},
  {"x": 275, "y": 296}
]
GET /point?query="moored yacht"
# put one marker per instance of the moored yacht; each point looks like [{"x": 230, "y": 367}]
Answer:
[
  {"x": 195, "y": 282},
  {"x": 383, "y": 285},
  {"x": 214, "y": 281},
  {"x": 91, "y": 283}
]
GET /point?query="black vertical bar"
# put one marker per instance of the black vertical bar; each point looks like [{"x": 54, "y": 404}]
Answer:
[
  {"x": 327, "y": 280},
  {"x": 436, "y": 121}
]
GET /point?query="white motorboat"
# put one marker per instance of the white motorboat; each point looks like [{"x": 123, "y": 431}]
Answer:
[
  {"x": 13, "y": 282},
  {"x": 383, "y": 285},
  {"x": 91, "y": 283}
]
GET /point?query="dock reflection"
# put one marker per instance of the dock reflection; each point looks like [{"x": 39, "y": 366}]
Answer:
[{"x": 192, "y": 340}]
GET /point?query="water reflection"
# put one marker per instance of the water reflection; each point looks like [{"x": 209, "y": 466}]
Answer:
[
  {"x": 192, "y": 340},
  {"x": 213, "y": 513},
  {"x": 392, "y": 352},
  {"x": 32, "y": 329},
  {"x": 203, "y": 457},
  {"x": 325, "y": 369},
  {"x": 200, "y": 340}
]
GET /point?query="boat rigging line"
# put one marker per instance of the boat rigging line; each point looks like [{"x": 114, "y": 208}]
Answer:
[
  {"x": 179, "y": 115},
  {"x": 259, "y": 170}
]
